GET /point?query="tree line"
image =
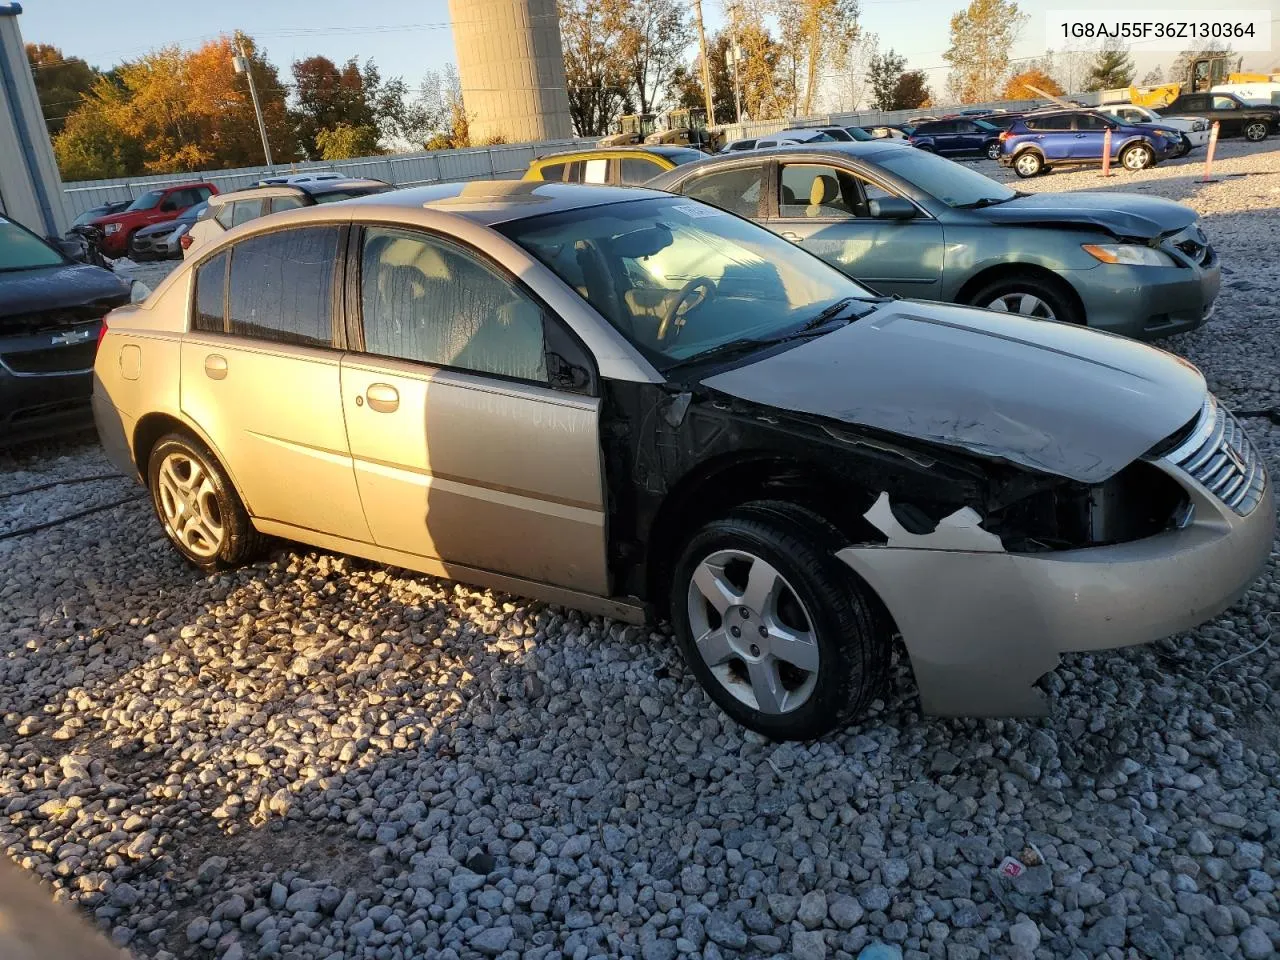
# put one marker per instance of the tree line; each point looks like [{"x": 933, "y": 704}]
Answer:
[{"x": 175, "y": 110}]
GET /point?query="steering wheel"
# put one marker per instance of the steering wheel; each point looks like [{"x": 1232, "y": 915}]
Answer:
[{"x": 686, "y": 293}]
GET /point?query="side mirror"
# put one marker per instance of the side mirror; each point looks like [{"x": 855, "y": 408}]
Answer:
[{"x": 891, "y": 208}]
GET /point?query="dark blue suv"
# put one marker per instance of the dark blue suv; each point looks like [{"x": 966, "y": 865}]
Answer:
[
  {"x": 1039, "y": 141},
  {"x": 957, "y": 137}
]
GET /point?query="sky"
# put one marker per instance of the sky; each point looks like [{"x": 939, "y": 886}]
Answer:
[{"x": 409, "y": 37}]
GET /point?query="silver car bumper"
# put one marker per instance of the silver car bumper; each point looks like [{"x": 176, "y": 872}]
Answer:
[{"x": 981, "y": 626}]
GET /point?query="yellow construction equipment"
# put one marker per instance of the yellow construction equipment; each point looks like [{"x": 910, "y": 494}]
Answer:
[
  {"x": 1203, "y": 75},
  {"x": 633, "y": 128},
  {"x": 686, "y": 126}
]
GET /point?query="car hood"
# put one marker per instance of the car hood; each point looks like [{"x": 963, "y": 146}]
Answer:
[
  {"x": 1050, "y": 396},
  {"x": 59, "y": 288},
  {"x": 1125, "y": 215},
  {"x": 159, "y": 228}
]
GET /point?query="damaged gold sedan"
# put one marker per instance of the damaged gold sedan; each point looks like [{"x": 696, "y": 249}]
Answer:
[{"x": 649, "y": 408}]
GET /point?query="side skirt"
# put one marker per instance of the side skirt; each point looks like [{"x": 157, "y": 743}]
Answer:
[{"x": 627, "y": 610}]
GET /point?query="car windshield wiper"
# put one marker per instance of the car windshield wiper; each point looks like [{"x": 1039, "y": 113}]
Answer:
[
  {"x": 826, "y": 314},
  {"x": 726, "y": 349},
  {"x": 985, "y": 202}
]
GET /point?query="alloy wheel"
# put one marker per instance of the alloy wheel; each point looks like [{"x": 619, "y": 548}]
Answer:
[
  {"x": 1255, "y": 132},
  {"x": 1137, "y": 158},
  {"x": 1026, "y": 304},
  {"x": 993, "y": 151},
  {"x": 753, "y": 631},
  {"x": 1028, "y": 164},
  {"x": 189, "y": 505}
]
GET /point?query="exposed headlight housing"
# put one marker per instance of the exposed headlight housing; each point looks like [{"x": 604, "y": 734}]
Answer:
[
  {"x": 111, "y": 228},
  {"x": 1127, "y": 254},
  {"x": 138, "y": 291}
]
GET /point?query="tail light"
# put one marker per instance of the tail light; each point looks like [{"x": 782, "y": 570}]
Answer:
[
  {"x": 102, "y": 331},
  {"x": 184, "y": 241},
  {"x": 1004, "y": 135}
]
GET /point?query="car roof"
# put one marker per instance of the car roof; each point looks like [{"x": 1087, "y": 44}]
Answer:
[
  {"x": 291, "y": 190},
  {"x": 489, "y": 202},
  {"x": 860, "y": 149},
  {"x": 657, "y": 149}
]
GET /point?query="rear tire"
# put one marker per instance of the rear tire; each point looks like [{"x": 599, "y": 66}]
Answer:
[
  {"x": 794, "y": 644},
  {"x": 1029, "y": 296},
  {"x": 993, "y": 150},
  {"x": 1028, "y": 164},
  {"x": 1255, "y": 131},
  {"x": 197, "y": 506}
]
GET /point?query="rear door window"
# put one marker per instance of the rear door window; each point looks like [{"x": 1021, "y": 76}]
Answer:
[
  {"x": 1090, "y": 121},
  {"x": 281, "y": 286},
  {"x": 246, "y": 210},
  {"x": 737, "y": 190},
  {"x": 285, "y": 203},
  {"x": 1057, "y": 122},
  {"x": 209, "y": 310},
  {"x": 638, "y": 170},
  {"x": 597, "y": 171}
]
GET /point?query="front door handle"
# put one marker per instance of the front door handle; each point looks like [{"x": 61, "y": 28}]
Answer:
[
  {"x": 215, "y": 367},
  {"x": 790, "y": 235},
  {"x": 383, "y": 397}
]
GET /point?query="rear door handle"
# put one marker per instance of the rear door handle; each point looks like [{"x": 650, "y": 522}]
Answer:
[
  {"x": 383, "y": 397},
  {"x": 215, "y": 367},
  {"x": 789, "y": 235}
]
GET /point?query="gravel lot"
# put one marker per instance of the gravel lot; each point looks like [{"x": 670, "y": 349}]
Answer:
[{"x": 322, "y": 758}]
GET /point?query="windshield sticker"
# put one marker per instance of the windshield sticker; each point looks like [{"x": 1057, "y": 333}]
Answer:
[{"x": 696, "y": 211}]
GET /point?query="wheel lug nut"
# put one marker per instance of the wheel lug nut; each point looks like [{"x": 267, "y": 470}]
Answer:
[
  {"x": 755, "y": 651},
  {"x": 763, "y": 631},
  {"x": 735, "y": 631},
  {"x": 745, "y": 613}
]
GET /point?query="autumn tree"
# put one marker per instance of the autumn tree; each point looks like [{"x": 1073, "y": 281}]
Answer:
[
  {"x": 61, "y": 83},
  {"x": 886, "y": 68},
  {"x": 327, "y": 96},
  {"x": 687, "y": 81},
  {"x": 437, "y": 117},
  {"x": 174, "y": 110},
  {"x": 1153, "y": 77},
  {"x": 1019, "y": 85},
  {"x": 811, "y": 33},
  {"x": 981, "y": 36},
  {"x": 342, "y": 142},
  {"x": 911, "y": 91},
  {"x": 1111, "y": 68},
  {"x": 596, "y": 71},
  {"x": 654, "y": 37}
]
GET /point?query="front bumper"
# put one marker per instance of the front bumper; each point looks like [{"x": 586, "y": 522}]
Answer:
[
  {"x": 1147, "y": 303},
  {"x": 994, "y": 622},
  {"x": 157, "y": 245},
  {"x": 45, "y": 382}
]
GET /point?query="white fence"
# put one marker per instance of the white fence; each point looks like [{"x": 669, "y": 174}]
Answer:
[
  {"x": 403, "y": 169},
  {"x": 474, "y": 163}
]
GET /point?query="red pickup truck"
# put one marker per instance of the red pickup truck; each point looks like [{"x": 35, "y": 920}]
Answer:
[{"x": 155, "y": 206}]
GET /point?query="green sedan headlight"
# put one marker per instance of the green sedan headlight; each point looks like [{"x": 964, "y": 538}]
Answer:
[{"x": 1129, "y": 254}]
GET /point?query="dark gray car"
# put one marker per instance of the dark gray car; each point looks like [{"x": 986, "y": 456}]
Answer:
[{"x": 909, "y": 223}]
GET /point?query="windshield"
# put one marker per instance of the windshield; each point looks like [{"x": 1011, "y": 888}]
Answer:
[
  {"x": 147, "y": 201},
  {"x": 857, "y": 133},
  {"x": 679, "y": 278},
  {"x": 91, "y": 214},
  {"x": 20, "y": 249},
  {"x": 952, "y": 183},
  {"x": 333, "y": 196}
]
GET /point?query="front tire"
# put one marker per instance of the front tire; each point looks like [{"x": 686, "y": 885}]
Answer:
[
  {"x": 1137, "y": 157},
  {"x": 1255, "y": 131},
  {"x": 197, "y": 506},
  {"x": 1028, "y": 296},
  {"x": 781, "y": 634},
  {"x": 1185, "y": 148},
  {"x": 1028, "y": 164}
]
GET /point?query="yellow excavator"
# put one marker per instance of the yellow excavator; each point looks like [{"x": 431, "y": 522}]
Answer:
[
  {"x": 686, "y": 126},
  {"x": 1203, "y": 75},
  {"x": 633, "y": 128}
]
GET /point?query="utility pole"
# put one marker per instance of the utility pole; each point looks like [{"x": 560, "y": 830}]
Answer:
[
  {"x": 706, "y": 67},
  {"x": 736, "y": 52},
  {"x": 243, "y": 65}
]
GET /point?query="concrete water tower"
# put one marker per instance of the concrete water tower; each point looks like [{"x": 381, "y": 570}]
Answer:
[{"x": 511, "y": 65}]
